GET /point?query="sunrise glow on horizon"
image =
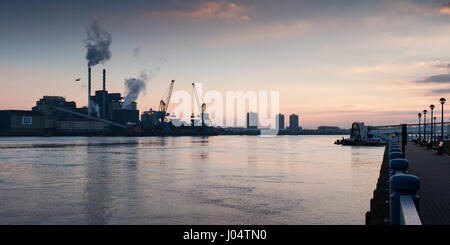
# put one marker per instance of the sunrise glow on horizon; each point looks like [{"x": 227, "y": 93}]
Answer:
[{"x": 333, "y": 62}]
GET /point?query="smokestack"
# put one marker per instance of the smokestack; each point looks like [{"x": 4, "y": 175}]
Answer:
[
  {"x": 89, "y": 91},
  {"x": 104, "y": 94}
]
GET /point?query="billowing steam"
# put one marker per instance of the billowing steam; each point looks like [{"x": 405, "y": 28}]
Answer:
[
  {"x": 97, "y": 44},
  {"x": 133, "y": 87}
]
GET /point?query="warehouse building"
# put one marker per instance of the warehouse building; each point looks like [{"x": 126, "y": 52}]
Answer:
[{"x": 18, "y": 122}]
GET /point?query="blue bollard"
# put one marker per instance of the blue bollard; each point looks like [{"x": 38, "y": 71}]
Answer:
[
  {"x": 394, "y": 155},
  {"x": 398, "y": 165},
  {"x": 394, "y": 150},
  {"x": 402, "y": 184}
]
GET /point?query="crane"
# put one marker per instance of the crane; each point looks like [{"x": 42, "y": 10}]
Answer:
[
  {"x": 164, "y": 103},
  {"x": 163, "y": 106},
  {"x": 202, "y": 107}
]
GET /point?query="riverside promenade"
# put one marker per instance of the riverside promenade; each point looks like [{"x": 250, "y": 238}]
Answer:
[
  {"x": 434, "y": 173},
  {"x": 433, "y": 170}
]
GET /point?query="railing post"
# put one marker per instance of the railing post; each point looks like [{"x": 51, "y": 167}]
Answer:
[
  {"x": 404, "y": 138},
  {"x": 402, "y": 184},
  {"x": 395, "y": 154},
  {"x": 398, "y": 165}
]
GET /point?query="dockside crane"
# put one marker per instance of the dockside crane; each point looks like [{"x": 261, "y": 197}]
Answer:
[
  {"x": 202, "y": 106},
  {"x": 164, "y": 105}
]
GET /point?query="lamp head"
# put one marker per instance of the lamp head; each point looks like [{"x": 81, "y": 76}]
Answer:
[
  {"x": 432, "y": 107},
  {"x": 442, "y": 100}
]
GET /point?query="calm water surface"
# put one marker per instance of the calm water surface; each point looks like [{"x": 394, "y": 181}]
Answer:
[{"x": 185, "y": 180}]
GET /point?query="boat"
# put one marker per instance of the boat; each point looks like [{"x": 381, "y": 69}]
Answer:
[{"x": 360, "y": 137}]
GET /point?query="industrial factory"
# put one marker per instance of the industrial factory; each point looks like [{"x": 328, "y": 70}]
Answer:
[
  {"x": 112, "y": 114},
  {"x": 106, "y": 114}
]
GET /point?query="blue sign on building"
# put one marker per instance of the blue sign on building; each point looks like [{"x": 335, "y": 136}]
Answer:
[{"x": 27, "y": 120}]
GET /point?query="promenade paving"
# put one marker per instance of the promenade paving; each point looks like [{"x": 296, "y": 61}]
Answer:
[{"x": 434, "y": 173}]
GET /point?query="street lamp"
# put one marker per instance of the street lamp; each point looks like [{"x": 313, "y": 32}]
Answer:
[
  {"x": 442, "y": 100},
  {"x": 431, "y": 123},
  {"x": 434, "y": 128},
  {"x": 420, "y": 115},
  {"x": 425, "y": 124}
]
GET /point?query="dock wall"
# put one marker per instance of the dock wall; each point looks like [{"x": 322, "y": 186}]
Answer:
[{"x": 379, "y": 204}]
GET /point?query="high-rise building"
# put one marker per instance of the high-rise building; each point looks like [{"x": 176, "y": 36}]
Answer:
[
  {"x": 252, "y": 120},
  {"x": 279, "y": 121},
  {"x": 293, "y": 122}
]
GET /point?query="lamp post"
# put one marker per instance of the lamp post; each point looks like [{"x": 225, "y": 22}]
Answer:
[
  {"x": 420, "y": 115},
  {"x": 425, "y": 124},
  {"x": 431, "y": 123},
  {"x": 434, "y": 129},
  {"x": 442, "y": 100}
]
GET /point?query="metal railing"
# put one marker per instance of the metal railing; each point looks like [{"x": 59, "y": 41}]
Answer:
[
  {"x": 408, "y": 211},
  {"x": 403, "y": 187}
]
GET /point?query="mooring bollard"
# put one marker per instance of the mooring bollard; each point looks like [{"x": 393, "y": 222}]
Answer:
[
  {"x": 394, "y": 155},
  {"x": 398, "y": 165},
  {"x": 394, "y": 150},
  {"x": 402, "y": 184}
]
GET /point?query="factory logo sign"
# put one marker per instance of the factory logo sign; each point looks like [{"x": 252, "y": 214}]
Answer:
[{"x": 27, "y": 120}]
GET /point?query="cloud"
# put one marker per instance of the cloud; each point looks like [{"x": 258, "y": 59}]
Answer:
[
  {"x": 218, "y": 9},
  {"x": 445, "y": 9},
  {"x": 439, "y": 91},
  {"x": 255, "y": 33},
  {"x": 441, "y": 78},
  {"x": 441, "y": 64},
  {"x": 384, "y": 68}
]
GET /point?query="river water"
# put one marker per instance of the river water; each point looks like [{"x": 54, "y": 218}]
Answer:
[{"x": 185, "y": 180}]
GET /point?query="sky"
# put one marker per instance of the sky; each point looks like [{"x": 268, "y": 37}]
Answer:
[{"x": 333, "y": 62}]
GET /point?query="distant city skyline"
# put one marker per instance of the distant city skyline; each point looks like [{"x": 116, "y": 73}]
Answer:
[{"x": 333, "y": 62}]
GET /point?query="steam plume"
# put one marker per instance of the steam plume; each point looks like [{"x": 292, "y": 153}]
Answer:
[
  {"x": 133, "y": 87},
  {"x": 97, "y": 44}
]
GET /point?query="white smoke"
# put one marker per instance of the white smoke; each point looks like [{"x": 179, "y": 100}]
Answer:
[{"x": 133, "y": 88}]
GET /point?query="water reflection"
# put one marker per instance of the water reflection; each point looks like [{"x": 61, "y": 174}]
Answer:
[
  {"x": 186, "y": 180},
  {"x": 252, "y": 156},
  {"x": 200, "y": 149},
  {"x": 97, "y": 188},
  {"x": 359, "y": 154}
]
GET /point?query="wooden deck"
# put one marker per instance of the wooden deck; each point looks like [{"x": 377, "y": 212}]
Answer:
[{"x": 434, "y": 173}]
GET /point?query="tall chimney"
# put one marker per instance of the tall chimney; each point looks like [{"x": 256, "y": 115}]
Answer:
[
  {"x": 89, "y": 91},
  {"x": 104, "y": 94}
]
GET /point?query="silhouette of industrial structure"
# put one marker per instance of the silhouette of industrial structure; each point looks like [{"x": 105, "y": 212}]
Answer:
[{"x": 110, "y": 114}]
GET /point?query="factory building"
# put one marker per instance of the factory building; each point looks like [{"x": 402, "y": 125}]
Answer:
[
  {"x": 149, "y": 119},
  {"x": 81, "y": 127},
  {"x": 47, "y": 104},
  {"x": 112, "y": 103},
  {"x": 18, "y": 122},
  {"x": 112, "y": 109},
  {"x": 54, "y": 115},
  {"x": 126, "y": 116},
  {"x": 109, "y": 106}
]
